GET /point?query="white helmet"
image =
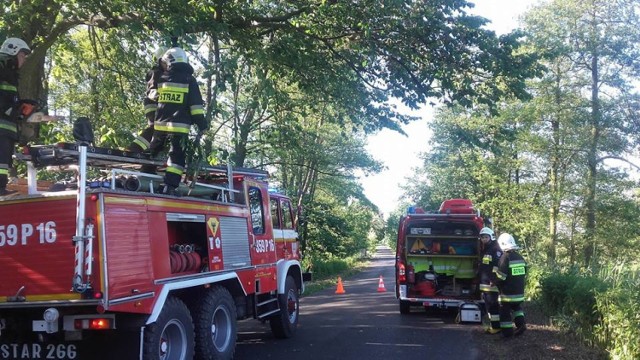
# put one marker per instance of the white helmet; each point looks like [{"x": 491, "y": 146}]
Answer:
[
  {"x": 12, "y": 46},
  {"x": 507, "y": 242},
  {"x": 174, "y": 55},
  {"x": 488, "y": 231},
  {"x": 157, "y": 55}
]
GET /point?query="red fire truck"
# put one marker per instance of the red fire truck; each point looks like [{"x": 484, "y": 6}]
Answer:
[
  {"x": 109, "y": 268},
  {"x": 437, "y": 255}
]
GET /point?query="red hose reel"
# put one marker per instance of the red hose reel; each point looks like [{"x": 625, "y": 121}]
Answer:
[{"x": 184, "y": 261}]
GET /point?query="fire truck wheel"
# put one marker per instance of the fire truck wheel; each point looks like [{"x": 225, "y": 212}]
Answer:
[
  {"x": 405, "y": 307},
  {"x": 285, "y": 323},
  {"x": 171, "y": 336},
  {"x": 215, "y": 323}
]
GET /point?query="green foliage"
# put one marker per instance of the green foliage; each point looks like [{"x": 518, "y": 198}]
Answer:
[
  {"x": 535, "y": 274},
  {"x": 619, "y": 330},
  {"x": 601, "y": 308},
  {"x": 324, "y": 267},
  {"x": 340, "y": 230},
  {"x": 555, "y": 292}
]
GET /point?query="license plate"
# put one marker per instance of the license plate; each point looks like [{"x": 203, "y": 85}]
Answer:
[{"x": 38, "y": 351}]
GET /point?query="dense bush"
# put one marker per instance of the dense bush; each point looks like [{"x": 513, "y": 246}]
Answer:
[
  {"x": 554, "y": 292},
  {"x": 329, "y": 266},
  {"x": 601, "y": 308},
  {"x": 619, "y": 330},
  {"x": 535, "y": 274}
]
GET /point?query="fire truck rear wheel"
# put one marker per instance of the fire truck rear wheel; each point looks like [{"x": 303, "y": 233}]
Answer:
[
  {"x": 216, "y": 327},
  {"x": 285, "y": 323},
  {"x": 171, "y": 336}
]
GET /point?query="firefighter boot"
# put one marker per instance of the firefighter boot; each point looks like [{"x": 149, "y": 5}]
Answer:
[
  {"x": 520, "y": 326},
  {"x": 5, "y": 192},
  {"x": 170, "y": 190}
]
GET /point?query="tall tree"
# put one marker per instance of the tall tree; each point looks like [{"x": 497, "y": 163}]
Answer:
[{"x": 599, "y": 39}]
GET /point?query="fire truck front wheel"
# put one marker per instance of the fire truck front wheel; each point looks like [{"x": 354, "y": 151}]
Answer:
[
  {"x": 285, "y": 323},
  {"x": 216, "y": 327},
  {"x": 171, "y": 336}
]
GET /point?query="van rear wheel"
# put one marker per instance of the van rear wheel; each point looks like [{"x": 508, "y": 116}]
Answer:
[{"x": 405, "y": 307}]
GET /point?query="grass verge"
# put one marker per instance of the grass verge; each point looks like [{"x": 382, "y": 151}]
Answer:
[{"x": 329, "y": 278}]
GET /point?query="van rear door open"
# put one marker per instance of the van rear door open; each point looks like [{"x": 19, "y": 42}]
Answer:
[{"x": 437, "y": 256}]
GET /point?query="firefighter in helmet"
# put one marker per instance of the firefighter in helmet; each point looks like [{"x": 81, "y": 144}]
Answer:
[
  {"x": 12, "y": 55},
  {"x": 180, "y": 105},
  {"x": 490, "y": 255},
  {"x": 142, "y": 142},
  {"x": 510, "y": 275}
]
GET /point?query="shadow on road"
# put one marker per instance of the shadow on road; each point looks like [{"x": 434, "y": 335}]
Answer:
[{"x": 363, "y": 323}]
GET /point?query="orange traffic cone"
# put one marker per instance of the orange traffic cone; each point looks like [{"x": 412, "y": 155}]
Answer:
[
  {"x": 381, "y": 287},
  {"x": 340, "y": 289}
]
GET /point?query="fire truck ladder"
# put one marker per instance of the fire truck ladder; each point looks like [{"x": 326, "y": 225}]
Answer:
[{"x": 125, "y": 163}]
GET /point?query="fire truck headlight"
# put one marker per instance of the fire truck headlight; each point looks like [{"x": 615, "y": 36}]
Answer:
[{"x": 51, "y": 315}]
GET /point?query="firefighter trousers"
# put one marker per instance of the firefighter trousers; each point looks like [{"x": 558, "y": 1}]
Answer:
[
  {"x": 492, "y": 306},
  {"x": 7, "y": 145},
  {"x": 177, "y": 156},
  {"x": 143, "y": 141},
  {"x": 507, "y": 310}
]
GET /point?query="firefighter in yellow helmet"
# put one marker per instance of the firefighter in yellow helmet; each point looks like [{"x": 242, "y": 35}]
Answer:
[
  {"x": 510, "y": 275},
  {"x": 491, "y": 253},
  {"x": 180, "y": 105},
  {"x": 12, "y": 55},
  {"x": 142, "y": 142}
]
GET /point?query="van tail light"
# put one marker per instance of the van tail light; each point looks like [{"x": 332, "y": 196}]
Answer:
[{"x": 402, "y": 277}]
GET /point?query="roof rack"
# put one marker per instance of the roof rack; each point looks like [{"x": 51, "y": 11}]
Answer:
[{"x": 125, "y": 163}]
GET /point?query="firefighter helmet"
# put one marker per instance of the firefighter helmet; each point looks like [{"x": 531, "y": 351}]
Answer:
[
  {"x": 12, "y": 46},
  {"x": 507, "y": 242},
  {"x": 173, "y": 56},
  {"x": 487, "y": 231},
  {"x": 157, "y": 54}
]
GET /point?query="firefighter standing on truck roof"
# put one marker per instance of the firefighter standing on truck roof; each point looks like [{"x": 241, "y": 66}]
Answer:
[
  {"x": 490, "y": 256},
  {"x": 179, "y": 106},
  {"x": 12, "y": 55},
  {"x": 142, "y": 142},
  {"x": 510, "y": 274}
]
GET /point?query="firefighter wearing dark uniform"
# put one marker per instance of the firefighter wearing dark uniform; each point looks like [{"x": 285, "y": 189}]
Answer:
[
  {"x": 490, "y": 255},
  {"x": 510, "y": 274},
  {"x": 179, "y": 106},
  {"x": 12, "y": 55},
  {"x": 143, "y": 141}
]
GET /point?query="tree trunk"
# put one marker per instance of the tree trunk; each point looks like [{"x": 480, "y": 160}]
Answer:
[
  {"x": 592, "y": 163},
  {"x": 554, "y": 211}
]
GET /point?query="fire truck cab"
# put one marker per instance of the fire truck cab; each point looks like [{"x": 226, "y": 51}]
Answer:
[
  {"x": 437, "y": 255},
  {"x": 109, "y": 268}
]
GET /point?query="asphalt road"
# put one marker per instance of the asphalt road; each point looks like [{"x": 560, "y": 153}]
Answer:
[{"x": 361, "y": 324}]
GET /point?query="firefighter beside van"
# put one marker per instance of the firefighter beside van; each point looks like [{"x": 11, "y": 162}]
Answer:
[
  {"x": 490, "y": 256},
  {"x": 510, "y": 274}
]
